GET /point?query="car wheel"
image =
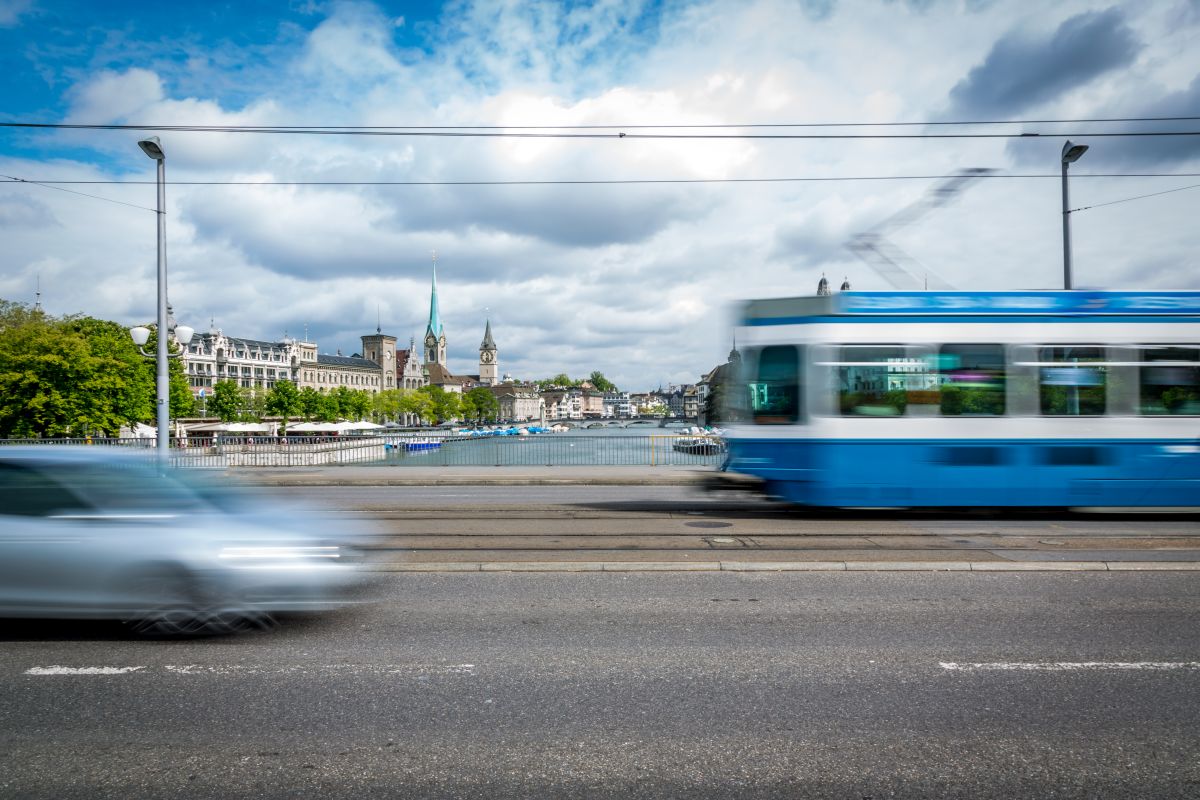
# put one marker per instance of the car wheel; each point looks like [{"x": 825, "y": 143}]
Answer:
[{"x": 172, "y": 603}]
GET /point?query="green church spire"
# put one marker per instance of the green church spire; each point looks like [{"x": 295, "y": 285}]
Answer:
[{"x": 435, "y": 319}]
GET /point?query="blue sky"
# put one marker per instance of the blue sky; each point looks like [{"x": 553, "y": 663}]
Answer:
[{"x": 635, "y": 280}]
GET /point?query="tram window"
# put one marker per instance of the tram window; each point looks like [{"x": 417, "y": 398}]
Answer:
[
  {"x": 1077, "y": 387},
  {"x": 775, "y": 386},
  {"x": 1170, "y": 380},
  {"x": 971, "y": 379},
  {"x": 874, "y": 380}
]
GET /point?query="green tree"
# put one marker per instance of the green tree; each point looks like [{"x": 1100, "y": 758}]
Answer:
[
  {"x": 419, "y": 403},
  {"x": 480, "y": 405},
  {"x": 226, "y": 401},
  {"x": 283, "y": 400},
  {"x": 69, "y": 377},
  {"x": 385, "y": 405},
  {"x": 602, "y": 383},
  {"x": 446, "y": 406},
  {"x": 352, "y": 404},
  {"x": 254, "y": 405},
  {"x": 327, "y": 408},
  {"x": 560, "y": 380},
  {"x": 359, "y": 405},
  {"x": 310, "y": 403}
]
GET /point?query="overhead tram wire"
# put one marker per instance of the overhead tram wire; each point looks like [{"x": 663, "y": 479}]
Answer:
[
  {"x": 49, "y": 185},
  {"x": 1131, "y": 199},
  {"x": 608, "y": 126},
  {"x": 612, "y": 132},
  {"x": 604, "y": 182}
]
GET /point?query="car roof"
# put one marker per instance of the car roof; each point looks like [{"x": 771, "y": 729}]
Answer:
[{"x": 76, "y": 454}]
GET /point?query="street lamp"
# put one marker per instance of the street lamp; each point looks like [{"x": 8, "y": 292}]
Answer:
[
  {"x": 1070, "y": 153},
  {"x": 152, "y": 147}
]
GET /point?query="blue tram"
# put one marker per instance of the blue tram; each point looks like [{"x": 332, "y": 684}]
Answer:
[{"x": 971, "y": 399}]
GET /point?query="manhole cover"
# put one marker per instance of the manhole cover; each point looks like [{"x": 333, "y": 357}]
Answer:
[{"x": 709, "y": 524}]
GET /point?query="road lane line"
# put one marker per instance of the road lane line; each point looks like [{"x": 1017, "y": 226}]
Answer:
[
  {"x": 254, "y": 669},
  {"x": 1068, "y": 666}
]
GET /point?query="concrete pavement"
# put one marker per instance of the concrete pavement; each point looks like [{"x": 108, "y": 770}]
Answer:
[{"x": 475, "y": 475}]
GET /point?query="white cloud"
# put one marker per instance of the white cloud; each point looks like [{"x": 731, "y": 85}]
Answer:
[{"x": 633, "y": 280}]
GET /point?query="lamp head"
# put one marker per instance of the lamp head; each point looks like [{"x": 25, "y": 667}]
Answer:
[
  {"x": 1072, "y": 152},
  {"x": 184, "y": 334},
  {"x": 139, "y": 335},
  {"x": 152, "y": 147}
]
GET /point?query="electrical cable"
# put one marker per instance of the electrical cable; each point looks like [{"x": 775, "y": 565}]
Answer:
[
  {"x": 1139, "y": 197},
  {"x": 46, "y": 185},
  {"x": 515, "y": 133},
  {"x": 615, "y": 181}
]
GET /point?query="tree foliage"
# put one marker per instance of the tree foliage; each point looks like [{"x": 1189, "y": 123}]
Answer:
[
  {"x": 418, "y": 403},
  {"x": 226, "y": 401},
  {"x": 480, "y": 405},
  {"x": 445, "y": 406},
  {"x": 75, "y": 376},
  {"x": 602, "y": 383},
  {"x": 283, "y": 400}
]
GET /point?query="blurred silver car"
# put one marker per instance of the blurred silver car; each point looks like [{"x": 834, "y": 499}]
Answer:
[{"x": 94, "y": 532}]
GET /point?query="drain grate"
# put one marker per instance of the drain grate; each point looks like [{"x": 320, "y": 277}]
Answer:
[{"x": 709, "y": 524}]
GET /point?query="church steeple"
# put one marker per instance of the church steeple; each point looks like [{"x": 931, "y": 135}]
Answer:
[
  {"x": 435, "y": 335},
  {"x": 435, "y": 319},
  {"x": 488, "y": 366}
]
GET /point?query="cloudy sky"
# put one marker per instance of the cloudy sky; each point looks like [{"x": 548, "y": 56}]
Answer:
[{"x": 268, "y": 234}]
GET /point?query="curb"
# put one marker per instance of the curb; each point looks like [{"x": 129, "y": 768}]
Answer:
[{"x": 790, "y": 566}]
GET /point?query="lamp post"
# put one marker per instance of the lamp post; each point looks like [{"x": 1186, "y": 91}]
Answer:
[
  {"x": 152, "y": 147},
  {"x": 1070, "y": 153}
]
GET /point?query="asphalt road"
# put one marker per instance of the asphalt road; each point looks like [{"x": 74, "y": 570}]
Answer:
[
  {"x": 487, "y": 524},
  {"x": 776, "y": 685}
]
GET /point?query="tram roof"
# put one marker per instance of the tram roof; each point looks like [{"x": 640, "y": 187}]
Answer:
[{"x": 787, "y": 310}]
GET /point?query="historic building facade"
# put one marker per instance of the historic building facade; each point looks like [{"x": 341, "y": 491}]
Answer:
[{"x": 258, "y": 365}]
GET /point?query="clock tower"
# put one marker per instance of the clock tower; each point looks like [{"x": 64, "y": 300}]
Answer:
[
  {"x": 381, "y": 349},
  {"x": 488, "y": 367}
]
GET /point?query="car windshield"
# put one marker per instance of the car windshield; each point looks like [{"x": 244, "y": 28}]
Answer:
[{"x": 127, "y": 487}]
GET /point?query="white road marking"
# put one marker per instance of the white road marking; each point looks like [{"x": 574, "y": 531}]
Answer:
[
  {"x": 1069, "y": 666},
  {"x": 259, "y": 669},
  {"x": 57, "y": 670}
]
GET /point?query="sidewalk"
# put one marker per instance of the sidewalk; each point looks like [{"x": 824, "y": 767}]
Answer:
[
  {"x": 484, "y": 476},
  {"x": 832, "y": 549}
]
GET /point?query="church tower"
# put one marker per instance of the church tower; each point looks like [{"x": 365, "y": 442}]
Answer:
[
  {"x": 381, "y": 349},
  {"x": 435, "y": 336},
  {"x": 488, "y": 366}
]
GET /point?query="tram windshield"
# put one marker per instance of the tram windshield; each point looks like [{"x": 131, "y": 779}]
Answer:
[{"x": 775, "y": 385}]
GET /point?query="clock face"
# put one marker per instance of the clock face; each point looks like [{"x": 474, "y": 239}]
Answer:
[
  {"x": 486, "y": 356},
  {"x": 430, "y": 341}
]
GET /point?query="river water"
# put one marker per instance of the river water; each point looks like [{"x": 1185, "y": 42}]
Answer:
[{"x": 640, "y": 445}]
